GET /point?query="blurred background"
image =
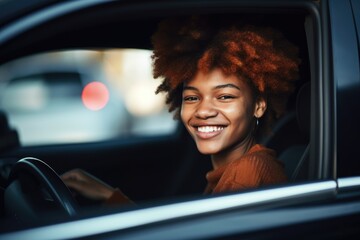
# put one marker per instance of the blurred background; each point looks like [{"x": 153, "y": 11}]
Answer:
[{"x": 83, "y": 96}]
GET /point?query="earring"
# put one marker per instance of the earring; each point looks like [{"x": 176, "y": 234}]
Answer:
[{"x": 257, "y": 122}]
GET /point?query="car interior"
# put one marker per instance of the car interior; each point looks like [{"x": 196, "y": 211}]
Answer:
[{"x": 157, "y": 167}]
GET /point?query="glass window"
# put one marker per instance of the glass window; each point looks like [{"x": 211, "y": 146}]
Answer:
[{"x": 83, "y": 96}]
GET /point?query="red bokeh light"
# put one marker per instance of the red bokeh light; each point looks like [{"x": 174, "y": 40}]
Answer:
[{"x": 95, "y": 96}]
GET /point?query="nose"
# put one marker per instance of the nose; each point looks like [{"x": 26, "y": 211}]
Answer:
[{"x": 206, "y": 109}]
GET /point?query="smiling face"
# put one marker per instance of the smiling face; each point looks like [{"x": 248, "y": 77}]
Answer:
[{"x": 220, "y": 112}]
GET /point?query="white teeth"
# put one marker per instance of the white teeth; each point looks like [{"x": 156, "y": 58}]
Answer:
[{"x": 207, "y": 129}]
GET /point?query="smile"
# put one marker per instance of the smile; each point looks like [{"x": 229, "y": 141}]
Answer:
[
  {"x": 208, "y": 129},
  {"x": 208, "y": 132}
]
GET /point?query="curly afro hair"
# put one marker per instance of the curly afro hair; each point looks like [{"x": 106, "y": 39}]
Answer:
[{"x": 262, "y": 55}]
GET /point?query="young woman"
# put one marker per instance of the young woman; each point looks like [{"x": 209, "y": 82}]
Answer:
[{"x": 227, "y": 82}]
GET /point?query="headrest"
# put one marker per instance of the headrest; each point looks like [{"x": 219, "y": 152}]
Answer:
[
  {"x": 303, "y": 108},
  {"x": 4, "y": 126},
  {"x": 8, "y": 137}
]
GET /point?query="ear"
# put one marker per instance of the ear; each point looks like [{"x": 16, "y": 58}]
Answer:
[{"x": 260, "y": 107}]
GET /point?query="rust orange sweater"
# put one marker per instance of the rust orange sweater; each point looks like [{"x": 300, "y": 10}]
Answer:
[{"x": 256, "y": 168}]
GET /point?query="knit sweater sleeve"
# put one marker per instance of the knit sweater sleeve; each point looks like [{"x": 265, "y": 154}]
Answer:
[{"x": 118, "y": 198}]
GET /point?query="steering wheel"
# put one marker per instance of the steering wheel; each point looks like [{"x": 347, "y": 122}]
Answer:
[{"x": 33, "y": 189}]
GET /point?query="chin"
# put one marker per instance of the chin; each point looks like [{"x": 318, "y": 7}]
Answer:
[{"x": 207, "y": 150}]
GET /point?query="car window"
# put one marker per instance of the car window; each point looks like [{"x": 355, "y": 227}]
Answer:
[{"x": 83, "y": 96}]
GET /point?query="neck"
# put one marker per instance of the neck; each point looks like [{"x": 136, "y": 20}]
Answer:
[{"x": 232, "y": 154}]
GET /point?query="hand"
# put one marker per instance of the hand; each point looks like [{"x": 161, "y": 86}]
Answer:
[{"x": 87, "y": 185}]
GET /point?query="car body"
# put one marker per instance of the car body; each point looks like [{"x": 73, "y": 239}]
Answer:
[{"x": 322, "y": 200}]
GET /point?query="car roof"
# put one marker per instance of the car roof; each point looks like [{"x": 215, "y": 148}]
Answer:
[
  {"x": 66, "y": 24},
  {"x": 12, "y": 9}
]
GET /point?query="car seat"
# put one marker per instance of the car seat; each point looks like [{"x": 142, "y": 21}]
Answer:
[
  {"x": 9, "y": 139},
  {"x": 296, "y": 156},
  {"x": 290, "y": 136}
]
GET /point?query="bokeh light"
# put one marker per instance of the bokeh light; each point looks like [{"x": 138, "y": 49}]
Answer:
[{"x": 95, "y": 96}]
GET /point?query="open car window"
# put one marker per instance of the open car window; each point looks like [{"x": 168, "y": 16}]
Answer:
[{"x": 79, "y": 95}]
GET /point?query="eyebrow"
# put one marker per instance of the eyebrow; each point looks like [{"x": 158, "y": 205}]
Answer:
[{"x": 228, "y": 85}]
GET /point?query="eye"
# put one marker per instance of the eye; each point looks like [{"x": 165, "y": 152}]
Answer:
[
  {"x": 226, "y": 97},
  {"x": 190, "y": 99}
]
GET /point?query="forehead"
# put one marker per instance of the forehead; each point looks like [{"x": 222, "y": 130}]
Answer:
[{"x": 216, "y": 78}]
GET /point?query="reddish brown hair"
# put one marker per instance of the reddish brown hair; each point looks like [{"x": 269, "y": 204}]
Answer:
[{"x": 261, "y": 55}]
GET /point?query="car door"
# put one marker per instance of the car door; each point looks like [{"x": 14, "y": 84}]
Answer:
[{"x": 342, "y": 22}]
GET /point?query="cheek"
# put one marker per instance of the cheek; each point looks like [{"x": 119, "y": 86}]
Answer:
[
  {"x": 185, "y": 116},
  {"x": 239, "y": 112},
  {"x": 184, "y": 112}
]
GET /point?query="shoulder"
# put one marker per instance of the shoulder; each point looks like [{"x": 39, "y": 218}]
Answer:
[
  {"x": 260, "y": 151},
  {"x": 258, "y": 166},
  {"x": 257, "y": 157}
]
